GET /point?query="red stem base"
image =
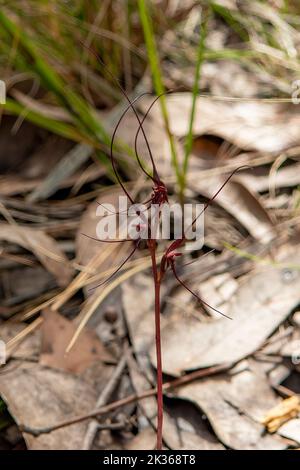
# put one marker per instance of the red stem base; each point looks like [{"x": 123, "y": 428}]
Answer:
[{"x": 159, "y": 381}]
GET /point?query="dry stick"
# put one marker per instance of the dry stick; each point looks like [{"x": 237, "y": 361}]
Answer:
[
  {"x": 127, "y": 400},
  {"x": 102, "y": 400}
]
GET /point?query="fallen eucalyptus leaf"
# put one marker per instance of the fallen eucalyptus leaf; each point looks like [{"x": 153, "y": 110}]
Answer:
[
  {"x": 264, "y": 127},
  {"x": 57, "y": 332},
  {"x": 38, "y": 396},
  {"x": 183, "y": 427},
  {"x": 234, "y": 405}
]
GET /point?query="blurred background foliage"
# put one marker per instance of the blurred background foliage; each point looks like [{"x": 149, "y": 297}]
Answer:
[{"x": 54, "y": 81}]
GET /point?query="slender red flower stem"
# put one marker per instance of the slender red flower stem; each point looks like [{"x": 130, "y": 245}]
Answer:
[{"x": 159, "y": 381}]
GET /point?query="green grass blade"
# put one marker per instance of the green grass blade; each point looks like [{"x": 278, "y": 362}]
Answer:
[
  {"x": 189, "y": 138},
  {"x": 58, "y": 127},
  {"x": 80, "y": 110}
]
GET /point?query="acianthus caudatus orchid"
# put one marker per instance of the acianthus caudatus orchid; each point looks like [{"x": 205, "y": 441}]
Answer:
[{"x": 158, "y": 197}]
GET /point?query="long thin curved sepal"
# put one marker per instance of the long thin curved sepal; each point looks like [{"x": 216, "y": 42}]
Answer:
[
  {"x": 243, "y": 167},
  {"x": 200, "y": 258},
  {"x": 112, "y": 157},
  {"x": 195, "y": 295},
  {"x": 118, "y": 269},
  {"x": 107, "y": 240},
  {"x": 130, "y": 106},
  {"x": 123, "y": 212},
  {"x": 140, "y": 128}
]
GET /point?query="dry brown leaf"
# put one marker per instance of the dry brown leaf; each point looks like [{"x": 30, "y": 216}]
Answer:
[
  {"x": 264, "y": 127},
  {"x": 38, "y": 396},
  {"x": 43, "y": 246},
  {"x": 183, "y": 428},
  {"x": 260, "y": 305},
  {"x": 57, "y": 332},
  {"x": 234, "y": 405},
  {"x": 284, "y": 411}
]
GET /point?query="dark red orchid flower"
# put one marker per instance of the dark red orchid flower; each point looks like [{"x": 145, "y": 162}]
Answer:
[{"x": 158, "y": 197}]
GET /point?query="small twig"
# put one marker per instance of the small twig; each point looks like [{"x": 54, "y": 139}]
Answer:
[
  {"x": 127, "y": 400},
  {"x": 94, "y": 426}
]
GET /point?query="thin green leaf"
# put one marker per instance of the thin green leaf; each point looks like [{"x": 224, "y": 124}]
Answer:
[{"x": 189, "y": 138}]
